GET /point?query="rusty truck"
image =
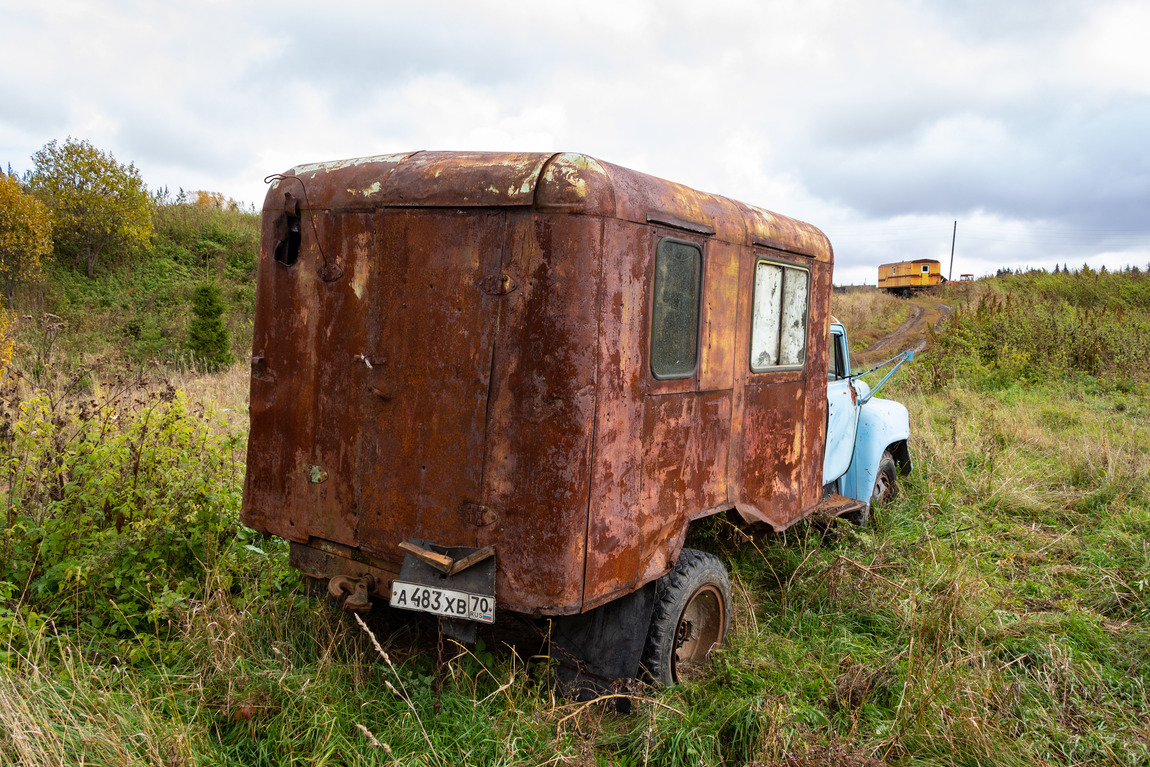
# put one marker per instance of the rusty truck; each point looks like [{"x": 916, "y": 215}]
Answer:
[{"x": 494, "y": 383}]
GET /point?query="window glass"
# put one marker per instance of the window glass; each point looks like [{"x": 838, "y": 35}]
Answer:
[
  {"x": 765, "y": 322},
  {"x": 794, "y": 335},
  {"x": 675, "y": 315},
  {"x": 833, "y": 358},
  {"x": 779, "y": 319}
]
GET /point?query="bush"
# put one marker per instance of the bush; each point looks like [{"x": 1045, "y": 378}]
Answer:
[
  {"x": 1044, "y": 327},
  {"x": 121, "y": 505}
]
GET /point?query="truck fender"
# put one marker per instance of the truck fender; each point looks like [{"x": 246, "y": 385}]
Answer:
[{"x": 883, "y": 424}]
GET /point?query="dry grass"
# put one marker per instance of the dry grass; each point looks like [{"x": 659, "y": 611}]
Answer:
[
  {"x": 868, "y": 315},
  {"x": 65, "y": 711},
  {"x": 225, "y": 392}
]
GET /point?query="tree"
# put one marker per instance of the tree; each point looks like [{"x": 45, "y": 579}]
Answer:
[
  {"x": 208, "y": 337},
  {"x": 25, "y": 234},
  {"x": 99, "y": 207}
]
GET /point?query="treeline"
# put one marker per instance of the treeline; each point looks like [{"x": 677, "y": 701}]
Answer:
[{"x": 86, "y": 248}]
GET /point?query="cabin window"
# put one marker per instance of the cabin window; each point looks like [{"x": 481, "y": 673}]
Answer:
[
  {"x": 926, "y": 268},
  {"x": 779, "y": 322},
  {"x": 834, "y": 359},
  {"x": 675, "y": 314}
]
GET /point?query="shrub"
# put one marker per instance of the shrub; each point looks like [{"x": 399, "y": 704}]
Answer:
[
  {"x": 1038, "y": 327},
  {"x": 121, "y": 504}
]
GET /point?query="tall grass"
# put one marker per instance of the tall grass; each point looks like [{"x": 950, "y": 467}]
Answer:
[{"x": 1037, "y": 327}]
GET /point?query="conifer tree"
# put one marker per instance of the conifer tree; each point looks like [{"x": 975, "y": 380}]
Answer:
[{"x": 208, "y": 337}]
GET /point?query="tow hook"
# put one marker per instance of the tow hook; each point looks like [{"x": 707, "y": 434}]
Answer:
[{"x": 358, "y": 591}]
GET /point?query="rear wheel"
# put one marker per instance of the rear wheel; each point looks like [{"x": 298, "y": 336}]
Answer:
[{"x": 691, "y": 617}]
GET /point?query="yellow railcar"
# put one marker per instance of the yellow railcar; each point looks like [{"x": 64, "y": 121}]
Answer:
[{"x": 906, "y": 277}]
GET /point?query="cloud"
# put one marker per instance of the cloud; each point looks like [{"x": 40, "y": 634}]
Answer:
[{"x": 857, "y": 117}]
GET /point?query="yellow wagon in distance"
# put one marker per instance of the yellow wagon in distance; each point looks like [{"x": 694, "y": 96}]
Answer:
[{"x": 906, "y": 277}]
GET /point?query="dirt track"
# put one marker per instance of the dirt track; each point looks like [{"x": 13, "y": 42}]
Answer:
[{"x": 911, "y": 334}]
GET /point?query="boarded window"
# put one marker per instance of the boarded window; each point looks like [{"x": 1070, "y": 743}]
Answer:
[
  {"x": 675, "y": 314},
  {"x": 779, "y": 322}
]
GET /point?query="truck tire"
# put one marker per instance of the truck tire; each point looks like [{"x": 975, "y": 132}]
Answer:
[
  {"x": 885, "y": 482},
  {"x": 885, "y": 489},
  {"x": 691, "y": 616}
]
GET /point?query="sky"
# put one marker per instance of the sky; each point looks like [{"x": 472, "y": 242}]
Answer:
[{"x": 883, "y": 122}]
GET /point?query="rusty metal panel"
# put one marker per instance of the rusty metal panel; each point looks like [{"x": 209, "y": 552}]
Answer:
[
  {"x": 642, "y": 198},
  {"x": 466, "y": 179},
  {"x": 613, "y": 529},
  {"x": 283, "y": 392},
  {"x": 575, "y": 182},
  {"x": 815, "y": 418},
  {"x": 421, "y": 179},
  {"x": 720, "y": 302},
  {"x": 785, "y": 235},
  {"x": 685, "y": 447},
  {"x": 772, "y": 447},
  {"x": 345, "y": 315},
  {"x": 537, "y": 476}
]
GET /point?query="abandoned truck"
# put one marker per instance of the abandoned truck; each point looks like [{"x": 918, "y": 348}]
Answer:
[{"x": 512, "y": 382}]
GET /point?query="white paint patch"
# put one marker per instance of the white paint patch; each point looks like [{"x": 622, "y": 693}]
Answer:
[{"x": 374, "y": 189}]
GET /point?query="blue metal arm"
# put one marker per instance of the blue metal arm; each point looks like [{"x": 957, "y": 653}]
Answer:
[{"x": 906, "y": 356}]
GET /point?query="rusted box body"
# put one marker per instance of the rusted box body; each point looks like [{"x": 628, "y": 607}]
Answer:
[{"x": 458, "y": 347}]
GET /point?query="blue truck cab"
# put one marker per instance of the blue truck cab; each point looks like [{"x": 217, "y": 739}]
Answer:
[{"x": 867, "y": 436}]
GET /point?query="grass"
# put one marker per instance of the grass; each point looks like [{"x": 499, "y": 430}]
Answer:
[{"x": 997, "y": 613}]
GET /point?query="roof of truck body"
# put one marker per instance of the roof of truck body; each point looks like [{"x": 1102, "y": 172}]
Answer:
[{"x": 562, "y": 182}]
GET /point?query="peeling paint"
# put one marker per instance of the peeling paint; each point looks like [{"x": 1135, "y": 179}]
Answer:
[{"x": 337, "y": 165}]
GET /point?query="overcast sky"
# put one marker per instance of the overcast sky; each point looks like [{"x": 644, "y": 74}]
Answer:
[{"x": 882, "y": 122}]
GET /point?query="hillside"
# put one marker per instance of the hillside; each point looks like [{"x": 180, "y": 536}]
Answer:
[{"x": 138, "y": 309}]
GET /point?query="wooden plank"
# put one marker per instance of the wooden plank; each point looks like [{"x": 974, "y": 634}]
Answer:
[
  {"x": 473, "y": 558},
  {"x": 440, "y": 562}
]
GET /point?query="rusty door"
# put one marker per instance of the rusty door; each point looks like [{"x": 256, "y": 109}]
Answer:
[
  {"x": 435, "y": 284},
  {"x": 772, "y": 472}
]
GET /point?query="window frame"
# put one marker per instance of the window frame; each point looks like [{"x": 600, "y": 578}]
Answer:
[
  {"x": 784, "y": 265},
  {"x": 701, "y": 250}
]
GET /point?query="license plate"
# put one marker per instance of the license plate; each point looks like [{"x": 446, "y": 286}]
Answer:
[{"x": 446, "y": 602}]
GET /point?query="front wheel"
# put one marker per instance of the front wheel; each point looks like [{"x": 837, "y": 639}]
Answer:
[
  {"x": 691, "y": 617},
  {"x": 885, "y": 489},
  {"x": 885, "y": 484}
]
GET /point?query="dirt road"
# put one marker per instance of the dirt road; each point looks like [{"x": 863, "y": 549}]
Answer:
[{"x": 911, "y": 334}]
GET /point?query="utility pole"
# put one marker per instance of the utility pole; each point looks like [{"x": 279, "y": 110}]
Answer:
[{"x": 953, "y": 235}]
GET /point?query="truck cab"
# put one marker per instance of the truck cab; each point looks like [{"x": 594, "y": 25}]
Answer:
[{"x": 867, "y": 437}]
